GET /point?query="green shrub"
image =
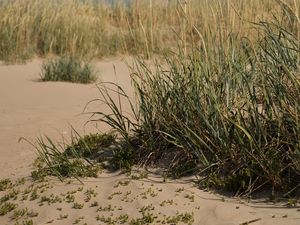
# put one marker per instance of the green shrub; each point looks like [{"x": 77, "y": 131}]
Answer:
[{"x": 68, "y": 68}]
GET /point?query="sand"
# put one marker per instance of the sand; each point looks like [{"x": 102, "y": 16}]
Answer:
[{"x": 30, "y": 108}]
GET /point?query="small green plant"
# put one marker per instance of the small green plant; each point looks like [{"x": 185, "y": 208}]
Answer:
[
  {"x": 146, "y": 208},
  {"x": 139, "y": 176},
  {"x": 18, "y": 213},
  {"x": 13, "y": 195},
  {"x": 5, "y": 184},
  {"x": 51, "y": 199},
  {"x": 73, "y": 160},
  {"x": 107, "y": 220},
  {"x": 190, "y": 197},
  {"x": 149, "y": 192},
  {"x": 25, "y": 222},
  {"x": 77, "y": 205},
  {"x": 94, "y": 204},
  {"x": 6, "y": 207},
  {"x": 34, "y": 194},
  {"x": 38, "y": 175},
  {"x": 70, "y": 198},
  {"x": 105, "y": 209},
  {"x": 167, "y": 202},
  {"x": 187, "y": 218},
  {"x": 114, "y": 194},
  {"x": 74, "y": 191},
  {"x": 89, "y": 194},
  {"x": 122, "y": 183},
  {"x": 68, "y": 68},
  {"x": 147, "y": 218},
  {"x": 62, "y": 217},
  {"x": 20, "y": 181},
  {"x": 27, "y": 190},
  {"x": 76, "y": 221},
  {"x": 123, "y": 158},
  {"x": 180, "y": 189},
  {"x": 125, "y": 197},
  {"x": 123, "y": 218},
  {"x": 293, "y": 203}
]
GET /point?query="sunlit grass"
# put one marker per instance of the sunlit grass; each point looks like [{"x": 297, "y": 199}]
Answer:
[
  {"x": 89, "y": 29},
  {"x": 228, "y": 112}
]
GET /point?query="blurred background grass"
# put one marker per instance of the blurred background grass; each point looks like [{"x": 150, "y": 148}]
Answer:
[{"x": 95, "y": 29}]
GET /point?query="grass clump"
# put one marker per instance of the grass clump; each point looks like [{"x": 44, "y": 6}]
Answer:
[
  {"x": 62, "y": 217},
  {"x": 68, "y": 68},
  {"x": 234, "y": 117},
  {"x": 229, "y": 111},
  {"x": 186, "y": 218},
  {"x": 6, "y": 207},
  {"x": 13, "y": 195},
  {"x": 81, "y": 158},
  {"x": 89, "y": 145},
  {"x": 19, "y": 213},
  {"x": 25, "y": 222},
  {"x": 5, "y": 184},
  {"x": 77, "y": 205}
]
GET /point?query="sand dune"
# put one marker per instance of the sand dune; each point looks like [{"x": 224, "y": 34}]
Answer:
[{"x": 29, "y": 108}]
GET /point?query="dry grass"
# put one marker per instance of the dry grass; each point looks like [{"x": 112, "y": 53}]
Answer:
[{"x": 89, "y": 29}]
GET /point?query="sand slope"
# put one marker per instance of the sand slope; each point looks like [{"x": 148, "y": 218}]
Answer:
[{"x": 29, "y": 108}]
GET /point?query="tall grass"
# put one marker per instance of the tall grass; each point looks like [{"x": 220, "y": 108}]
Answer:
[
  {"x": 229, "y": 111},
  {"x": 226, "y": 105},
  {"x": 97, "y": 29}
]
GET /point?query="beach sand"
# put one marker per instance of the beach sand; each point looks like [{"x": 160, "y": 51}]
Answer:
[{"x": 30, "y": 108}]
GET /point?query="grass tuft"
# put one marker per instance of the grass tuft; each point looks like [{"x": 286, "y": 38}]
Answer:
[
  {"x": 228, "y": 113},
  {"x": 68, "y": 68},
  {"x": 5, "y": 184},
  {"x": 6, "y": 207}
]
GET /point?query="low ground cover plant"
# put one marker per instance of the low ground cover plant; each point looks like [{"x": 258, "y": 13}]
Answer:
[{"x": 68, "y": 68}]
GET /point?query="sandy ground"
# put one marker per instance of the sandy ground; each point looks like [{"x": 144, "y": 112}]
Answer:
[{"x": 29, "y": 108}]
